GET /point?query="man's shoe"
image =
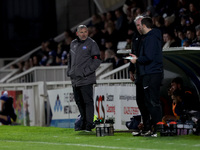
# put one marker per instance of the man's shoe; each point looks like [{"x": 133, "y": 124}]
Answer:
[
  {"x": 149, "y": 133},
  {"x": 137, "y": 133},
  {"x": 80, "y": 129},
  {"x": 154, "y": 135},
  {"x": 88, "y": 130}
]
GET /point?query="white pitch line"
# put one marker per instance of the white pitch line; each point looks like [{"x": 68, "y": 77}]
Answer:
[{"x": 80, "y": 145}]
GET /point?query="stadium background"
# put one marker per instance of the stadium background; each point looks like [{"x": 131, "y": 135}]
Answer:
[{"x": 26, "y": 23}]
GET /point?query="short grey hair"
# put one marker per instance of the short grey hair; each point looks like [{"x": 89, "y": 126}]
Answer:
[
  {"x": 137, "y": 18},
  {"x": 81, "y": 27}
]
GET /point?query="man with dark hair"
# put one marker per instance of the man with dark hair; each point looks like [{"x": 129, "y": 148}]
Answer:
[
  {"x": 134, "y": 71},
  {"x": 150, "y": 63},
  {"x": 192, "y": 101},
  {"x": 176, "y": 83},
  {"x": 178, "y": 106},
  {"x": 84, "y": 59},
  {"x": 190, "y": 34},
  {"x": 182, "y": 103}
]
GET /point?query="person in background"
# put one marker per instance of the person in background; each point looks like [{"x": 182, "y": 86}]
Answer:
[
  {"x": 84, "y": 59},
  {"x": 7, "y": 112},
  {"x": 182, "y": 37},
  {"x": 112, "y": 34},
  {"x": 121, "y": 24},
  {"x": 182, "y": 102},
  {"x": 191, "y": 100},
  {"x": 196, "y": 41},
  {"x": 190, "y": 34},
  {"x": 109, "y": 57},
  {"x": 169, "y": 40},
  {"x": 178, "y": 106},
  {"x": 159, "y": 23}
]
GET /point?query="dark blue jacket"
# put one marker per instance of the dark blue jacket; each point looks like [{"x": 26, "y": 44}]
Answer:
[{"x": 150, "y": 59}]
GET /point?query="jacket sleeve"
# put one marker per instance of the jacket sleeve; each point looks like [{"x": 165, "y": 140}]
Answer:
[{"x": 95, "y": 60}]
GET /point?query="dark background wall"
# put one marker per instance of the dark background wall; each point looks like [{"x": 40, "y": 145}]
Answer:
[
  {"x": 26, "y": 23},
  {"x": 72, "y": 12}
]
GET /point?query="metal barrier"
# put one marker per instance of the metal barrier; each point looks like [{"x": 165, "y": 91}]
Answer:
[
  {"x": 51, "y": 73},
  {"x": 36, "y": 74},
  {"x": 118, "y": 73},
  {"x": 6, "y": 74}
]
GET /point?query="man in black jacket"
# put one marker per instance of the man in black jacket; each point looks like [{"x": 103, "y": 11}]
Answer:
[
  {"x": 150, "y": 63},
  {"x": 134, "y": 69},
  {"x": 84, "y": 59}
]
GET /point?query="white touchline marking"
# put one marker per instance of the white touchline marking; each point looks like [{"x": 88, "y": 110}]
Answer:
[
  {"x": 170, "y": 143},
  {"x": 81, "y": 145}
]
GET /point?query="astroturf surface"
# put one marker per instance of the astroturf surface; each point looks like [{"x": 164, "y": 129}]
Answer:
[{"x": 52, "y": 138}]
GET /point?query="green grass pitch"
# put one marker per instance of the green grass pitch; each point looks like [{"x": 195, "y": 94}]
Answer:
[{"x": 52, "y": 138}]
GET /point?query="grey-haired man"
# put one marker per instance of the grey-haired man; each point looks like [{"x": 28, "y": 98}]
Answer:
[{"x": 84, "y": 59}]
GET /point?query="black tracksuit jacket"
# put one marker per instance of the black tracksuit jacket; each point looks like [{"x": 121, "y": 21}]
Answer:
[{"x": 84, "y": 59}]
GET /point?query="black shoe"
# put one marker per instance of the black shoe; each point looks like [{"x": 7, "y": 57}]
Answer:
[
  {"x": 149, "y": 133},
  {"x": 93, "y": 126},
  {"x": 80, "y": 129},
  {"x": 89, "y": 127},
  {"x": 88, "y": 130}
]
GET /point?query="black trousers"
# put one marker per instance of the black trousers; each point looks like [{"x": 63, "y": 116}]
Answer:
[
  {"x": 84, "y": 99},
  {"x": 141, "y": 104},
  {"x": 151, "y": 86}
]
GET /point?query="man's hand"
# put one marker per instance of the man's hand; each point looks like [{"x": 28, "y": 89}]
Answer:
[
  {"x": 134, "y": 58},
  {"x": 132, "y": 77}
]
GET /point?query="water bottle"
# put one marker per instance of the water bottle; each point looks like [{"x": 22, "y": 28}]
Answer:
[
  {"x": 106, "y": 128},
  {"x": 111, "y": 130},
  {"x": 190, "y": 128},
  {"x": 173, "y": 128},
  {"x": 100, "y": 130}
]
